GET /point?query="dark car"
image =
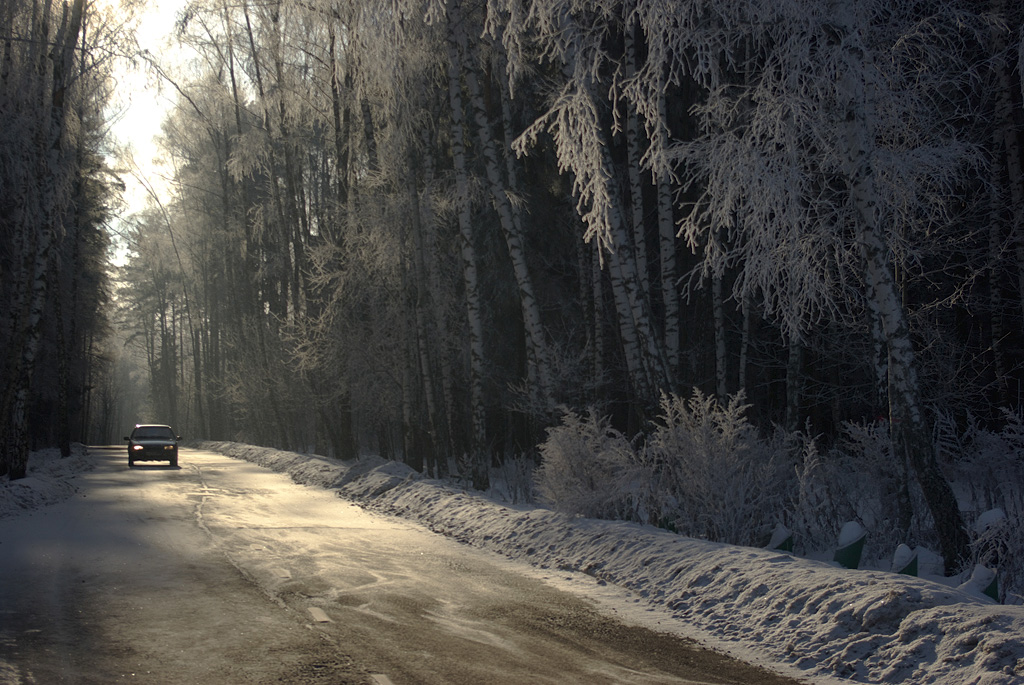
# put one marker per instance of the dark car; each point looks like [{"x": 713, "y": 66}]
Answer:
[{"x": 152, "y": 442}]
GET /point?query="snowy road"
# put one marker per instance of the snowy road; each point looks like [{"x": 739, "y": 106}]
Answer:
[{"x": 223, "y": 572}]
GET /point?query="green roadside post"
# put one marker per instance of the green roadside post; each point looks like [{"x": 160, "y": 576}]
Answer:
[
  {"x": 782, "y": 539},
  {"x": 851, "y": 545},
  {"x": 984, "y": 581},
  {"x": 904, "y": 561},
  {"x": 992, "y": 589}
]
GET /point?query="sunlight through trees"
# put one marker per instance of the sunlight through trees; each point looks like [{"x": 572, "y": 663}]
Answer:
[{"x": 421, "y": 227}]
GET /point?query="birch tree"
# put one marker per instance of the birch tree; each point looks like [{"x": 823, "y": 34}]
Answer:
[
  {"x": 578, "y": 122},
  {"x": 539, "y": 373},
  {"x": 830, "y": 140},
  {"x": 843, "y": 146}
]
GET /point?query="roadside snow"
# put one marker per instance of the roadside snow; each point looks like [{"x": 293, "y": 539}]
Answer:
[
  {"x": 49, "y": 480},
  {"x": 820, "y": 622},
  {"x": 823, "y": 621}
]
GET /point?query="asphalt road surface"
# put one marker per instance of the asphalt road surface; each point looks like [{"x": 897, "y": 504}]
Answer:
[{"x": 219, "y": 571}]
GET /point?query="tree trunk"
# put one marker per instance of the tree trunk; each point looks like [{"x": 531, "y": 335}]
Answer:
[
  {"x": 538, "y": 370},
  {"x": 421, "y": 304},
  {"x": 340, "y": 119},
  {"x": 643, "y": 356},
  {"x": 741, "y": 364},
  {"x": 721, "y": 347},
  {"x": 296, "y": 227},
  {"x": 593, "y": 259},
  {"x": 911, "y": 437},
  {"x": 669, "y": 290},
  {"x": 478, "y": 464},
  {"x": 63, "y": 378},
  {"x": 794, "y": 383},
  {"x": 636, "y": 193},
  {"x": 52, "y": 171},
  {"x": 428, "y": 254}
]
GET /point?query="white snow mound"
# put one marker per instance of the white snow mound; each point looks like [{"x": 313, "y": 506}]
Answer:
[{"x": 49, "y": 480}]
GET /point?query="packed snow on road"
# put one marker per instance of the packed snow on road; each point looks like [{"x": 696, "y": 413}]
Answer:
[{"x": 763, "y": 606}]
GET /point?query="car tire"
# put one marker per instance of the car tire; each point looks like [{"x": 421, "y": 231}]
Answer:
[
  {"x": 174, "y": 462},
  {"x": 131, "y": 463}
]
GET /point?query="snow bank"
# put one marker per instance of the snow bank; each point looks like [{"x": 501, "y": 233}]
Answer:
[
  {"x": 865, "y": 626},
  {"x": 49, "y": 480}
]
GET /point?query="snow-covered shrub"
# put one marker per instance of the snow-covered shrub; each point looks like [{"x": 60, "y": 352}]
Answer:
[
  {"x": 997, "y": 544},
  {"x": 858, "y": 479},
  {"x": 704, "y": 471},
  {"x": 990, "y": 466},
  {"x": 814, "y": 514},
  {"x": 591, "y": 469},
  {"x": 990, "y": 475},
  {"x": 512, "y": 480},
  {"x": 715, "y": 477}
]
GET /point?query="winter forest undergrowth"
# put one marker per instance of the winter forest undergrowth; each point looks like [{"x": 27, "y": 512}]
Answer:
[
  {"x": 706, "y": 472},
  {"x": 715, "y": 265}
]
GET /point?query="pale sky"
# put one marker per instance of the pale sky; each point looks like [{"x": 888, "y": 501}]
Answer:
[{"x": 147, "y": 102}]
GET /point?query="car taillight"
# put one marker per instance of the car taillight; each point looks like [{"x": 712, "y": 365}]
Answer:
[{"x": 136, "y": 447}]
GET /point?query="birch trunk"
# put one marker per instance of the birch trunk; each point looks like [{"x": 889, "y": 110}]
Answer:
[
  {"x": 538, "y": 371},
  {"x": 340, "y": 119},
  {"x": 597, "y": 314},
  {"x": 794, "y": 383},
  {"x": 501, "y": 67},
  {"x": 582, "y": 145},
  {"x": 721, "y": 349},
  {"x": 343, "y": 435},
  {"x": 880, "y": 364},
  {"x": 279, "y": 279},
  {"x": 477, "y": 439},
  {"x": 296, "y": 228},
  {"x": 427, "y": 252},
  {"x": 31, "y": 223},
  {"x": 645, "y": 361},
  {"x": 421, "y": 306},
  {"x": 910, "y": 435},
  {"x": 669, "y": 291},
  {"x": 636, "y": 193},
  {"x": 643, "y": 356},
  {"x": 741, "y": 364},
  {"x": 909, "y": 431}
]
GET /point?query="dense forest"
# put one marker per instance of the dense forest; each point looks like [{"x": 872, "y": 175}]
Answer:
[
  {"x": 437, "y": 229},
  {"x": 58, "y": 194}
]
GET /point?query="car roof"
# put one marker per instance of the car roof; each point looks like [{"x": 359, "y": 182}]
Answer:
[{"x": 151, "y": 425}]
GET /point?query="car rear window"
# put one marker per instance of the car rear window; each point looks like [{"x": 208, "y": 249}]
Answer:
[{"x": 153, "y": 432}]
